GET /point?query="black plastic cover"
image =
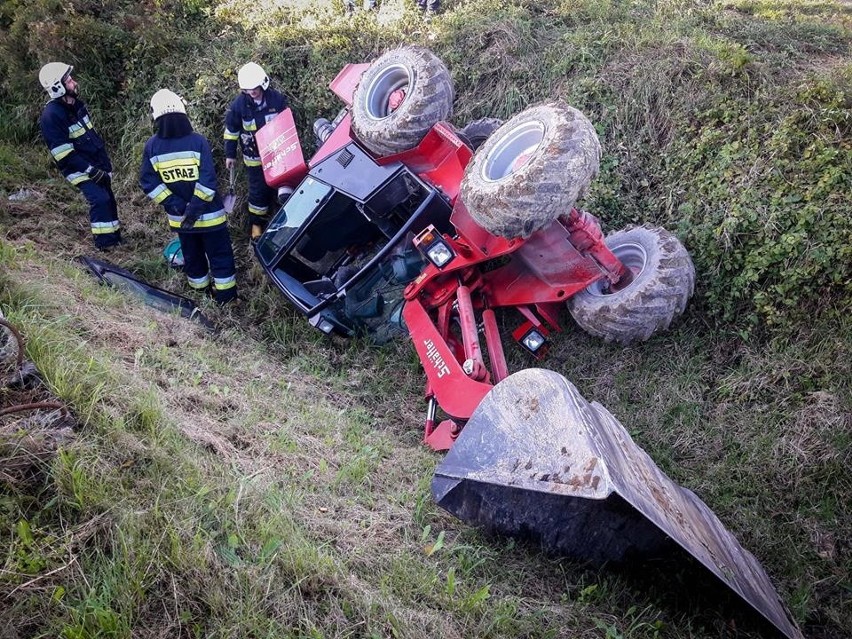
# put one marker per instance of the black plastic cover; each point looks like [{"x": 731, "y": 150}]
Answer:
[{"x": 153, "y": 296}]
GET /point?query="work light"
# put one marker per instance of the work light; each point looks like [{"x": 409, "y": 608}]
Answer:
[
  {"x": 432, "y": 245},
  {"x": 321, "y": 323},
  {"x": 533, "y": 341},
  {"x": 533, "y": 338}
]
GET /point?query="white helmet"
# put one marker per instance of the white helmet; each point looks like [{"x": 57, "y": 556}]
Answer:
[
  {"x": 165, "y": 101},
  {"x": 251, "y": 76},
  {"x": 51, "y": 77}
]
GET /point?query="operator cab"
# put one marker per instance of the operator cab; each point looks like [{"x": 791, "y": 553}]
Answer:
[{"x": 340, "y": 248}]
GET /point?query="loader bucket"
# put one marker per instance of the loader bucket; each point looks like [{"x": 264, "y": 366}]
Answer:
[{"x": 537, "y": 461}]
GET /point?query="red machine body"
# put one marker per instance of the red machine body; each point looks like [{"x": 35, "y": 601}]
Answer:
[
  {"x": 440, "y": 159},
  {"x": 345, "y": 82},
  {"x": 521, "y": 274},
  {"x": 447, "y": 308}
]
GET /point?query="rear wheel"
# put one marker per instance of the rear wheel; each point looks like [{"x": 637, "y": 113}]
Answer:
[
  {"x": 662, "y": 283},
  {"x": 403, "y": 94},
  {"x": 476, "y": 132},
  {"x": 531, "y": 170}
]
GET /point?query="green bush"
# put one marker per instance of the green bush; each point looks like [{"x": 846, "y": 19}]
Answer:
[
  {"x": 764, "y": 204},
  {"x": 118, "y": 48}
]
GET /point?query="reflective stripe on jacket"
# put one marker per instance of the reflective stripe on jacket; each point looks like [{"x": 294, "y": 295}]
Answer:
[
  {"x": 72, "y": 140},
  {"x": 179, "y": 174},
  {"x": 243, "y": 120}
]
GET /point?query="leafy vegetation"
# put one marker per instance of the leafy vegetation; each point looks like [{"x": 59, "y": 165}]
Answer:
[{"x": 263, "y": 481}]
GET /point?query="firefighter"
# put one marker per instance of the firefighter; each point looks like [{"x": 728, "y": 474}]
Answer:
[
  {"x": 429, "y": 7},
  {"x": 79, "y": 151},
  {"x": 256, "y": 105},
  {"x": 178, "y": 172},
  {"x": 349, "y": 5}
]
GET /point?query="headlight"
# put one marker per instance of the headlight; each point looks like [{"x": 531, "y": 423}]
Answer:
[
  {"x": 432, "y": 245},
  {"x": 439, "y": 253},
  {"x": 533, "y": 341},
  {"x": 321, "y": 323}
]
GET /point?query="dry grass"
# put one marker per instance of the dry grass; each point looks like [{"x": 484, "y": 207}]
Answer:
[
  {"x": 261, "y": 481},
  {"x": 255, "y": 463}
]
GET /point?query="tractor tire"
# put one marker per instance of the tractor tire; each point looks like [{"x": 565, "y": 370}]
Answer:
[
  {"x": 476, "y": 132},
  {"x": 428, "y": 99},
  {"x": 531, "y": 170},
  {"x": 663, "y": 281}
]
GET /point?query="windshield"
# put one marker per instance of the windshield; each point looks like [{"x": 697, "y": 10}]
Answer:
[
  {"x": 291, "y": 216},
  {"x": 339, "y": 229}
]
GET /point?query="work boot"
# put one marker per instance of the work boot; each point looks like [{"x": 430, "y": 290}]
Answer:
[
  {"x": 106, "y": 242},
  {"x": 227, "y": 297},
  {"x": 256, "y": 232}
]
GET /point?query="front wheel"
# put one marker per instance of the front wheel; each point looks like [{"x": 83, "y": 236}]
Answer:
[{"x": 663, "y": 279}]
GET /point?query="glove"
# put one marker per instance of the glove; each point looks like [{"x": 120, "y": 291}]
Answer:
[
  {"x": 101, "y": 178},
  {"x": 187, "y": 223},
  {"x": 190, "y": 215},
  {"x": 256, "y": 225},
  {"x": 188, "y": 220}
]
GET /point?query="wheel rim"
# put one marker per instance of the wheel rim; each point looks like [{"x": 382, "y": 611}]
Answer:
[
  {"x": 379, "y": 91},
  {"x": 513, "y": 151},
  {"x": 634, "y": 257}
]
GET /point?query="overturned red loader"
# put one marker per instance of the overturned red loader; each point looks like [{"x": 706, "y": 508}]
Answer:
[
  {"x": 395, "y": 221},
  {"x": 402, "y": 224}
]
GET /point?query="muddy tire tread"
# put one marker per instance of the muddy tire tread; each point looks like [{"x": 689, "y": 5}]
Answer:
[
  {"x": 428, "y": 102},
  {"x": 547, "y": 186},
  {"x": 649, "y": 305}
]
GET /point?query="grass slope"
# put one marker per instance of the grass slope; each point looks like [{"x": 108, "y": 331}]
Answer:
[{"x": 261, "y": 481}]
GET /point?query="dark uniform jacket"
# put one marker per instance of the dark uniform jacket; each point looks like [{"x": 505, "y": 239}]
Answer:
[
  {"x": 73, "y": 143},
  {"x": 244, "y": 118},
  {"x": 179, "y": 174}
]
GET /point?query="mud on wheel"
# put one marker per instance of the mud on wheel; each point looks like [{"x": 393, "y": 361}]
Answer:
[
  {"x": 531, "y": 170},
  {"x": 663, "y": 279},
  {"x": 403, "y": 94}
]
